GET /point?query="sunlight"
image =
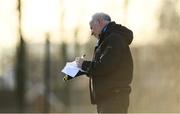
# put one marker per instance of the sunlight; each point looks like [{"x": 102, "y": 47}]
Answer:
[
  {"x": 143, "y": 20},
  {"x": 39, "y": 17},
  {"x": 42, "y": 16},
  {"x": 8, "y": 23}
]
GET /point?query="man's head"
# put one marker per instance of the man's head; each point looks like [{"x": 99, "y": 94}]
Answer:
[{"x": 97, "y": 23}]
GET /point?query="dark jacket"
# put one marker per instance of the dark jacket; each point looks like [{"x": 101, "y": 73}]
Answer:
[{"x": 111, "y": 69}]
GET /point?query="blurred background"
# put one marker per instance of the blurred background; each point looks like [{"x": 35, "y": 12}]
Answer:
[{"x": 37, "y": 37}]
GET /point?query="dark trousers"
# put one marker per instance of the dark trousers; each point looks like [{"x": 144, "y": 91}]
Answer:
[{"x": 117, "y": 103}]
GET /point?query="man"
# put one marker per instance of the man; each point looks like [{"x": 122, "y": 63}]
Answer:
[{"x": 111, "y": 69}]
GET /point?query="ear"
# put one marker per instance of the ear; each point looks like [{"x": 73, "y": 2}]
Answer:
[{"x": 100, "y": 21}]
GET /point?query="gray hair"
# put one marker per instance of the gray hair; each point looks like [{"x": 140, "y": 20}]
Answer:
[{"x": 103, "y": 16}]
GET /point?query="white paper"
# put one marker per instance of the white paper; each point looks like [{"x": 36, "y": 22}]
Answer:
[{"x": 71, "y": 69}]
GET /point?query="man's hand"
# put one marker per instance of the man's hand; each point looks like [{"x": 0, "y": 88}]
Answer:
[{"x": 79, "y": 61}]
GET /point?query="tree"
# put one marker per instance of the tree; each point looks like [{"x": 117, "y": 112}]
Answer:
[
  {"x": 47, "y": 76},
  {"x": 169, "y": 21},
  {"x": 20, "y": 70}
]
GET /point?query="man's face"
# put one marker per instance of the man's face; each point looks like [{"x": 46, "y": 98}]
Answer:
[{"x": 95, "y": 28}]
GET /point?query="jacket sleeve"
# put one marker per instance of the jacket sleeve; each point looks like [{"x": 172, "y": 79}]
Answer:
[{"x": 108, "y": 60}]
